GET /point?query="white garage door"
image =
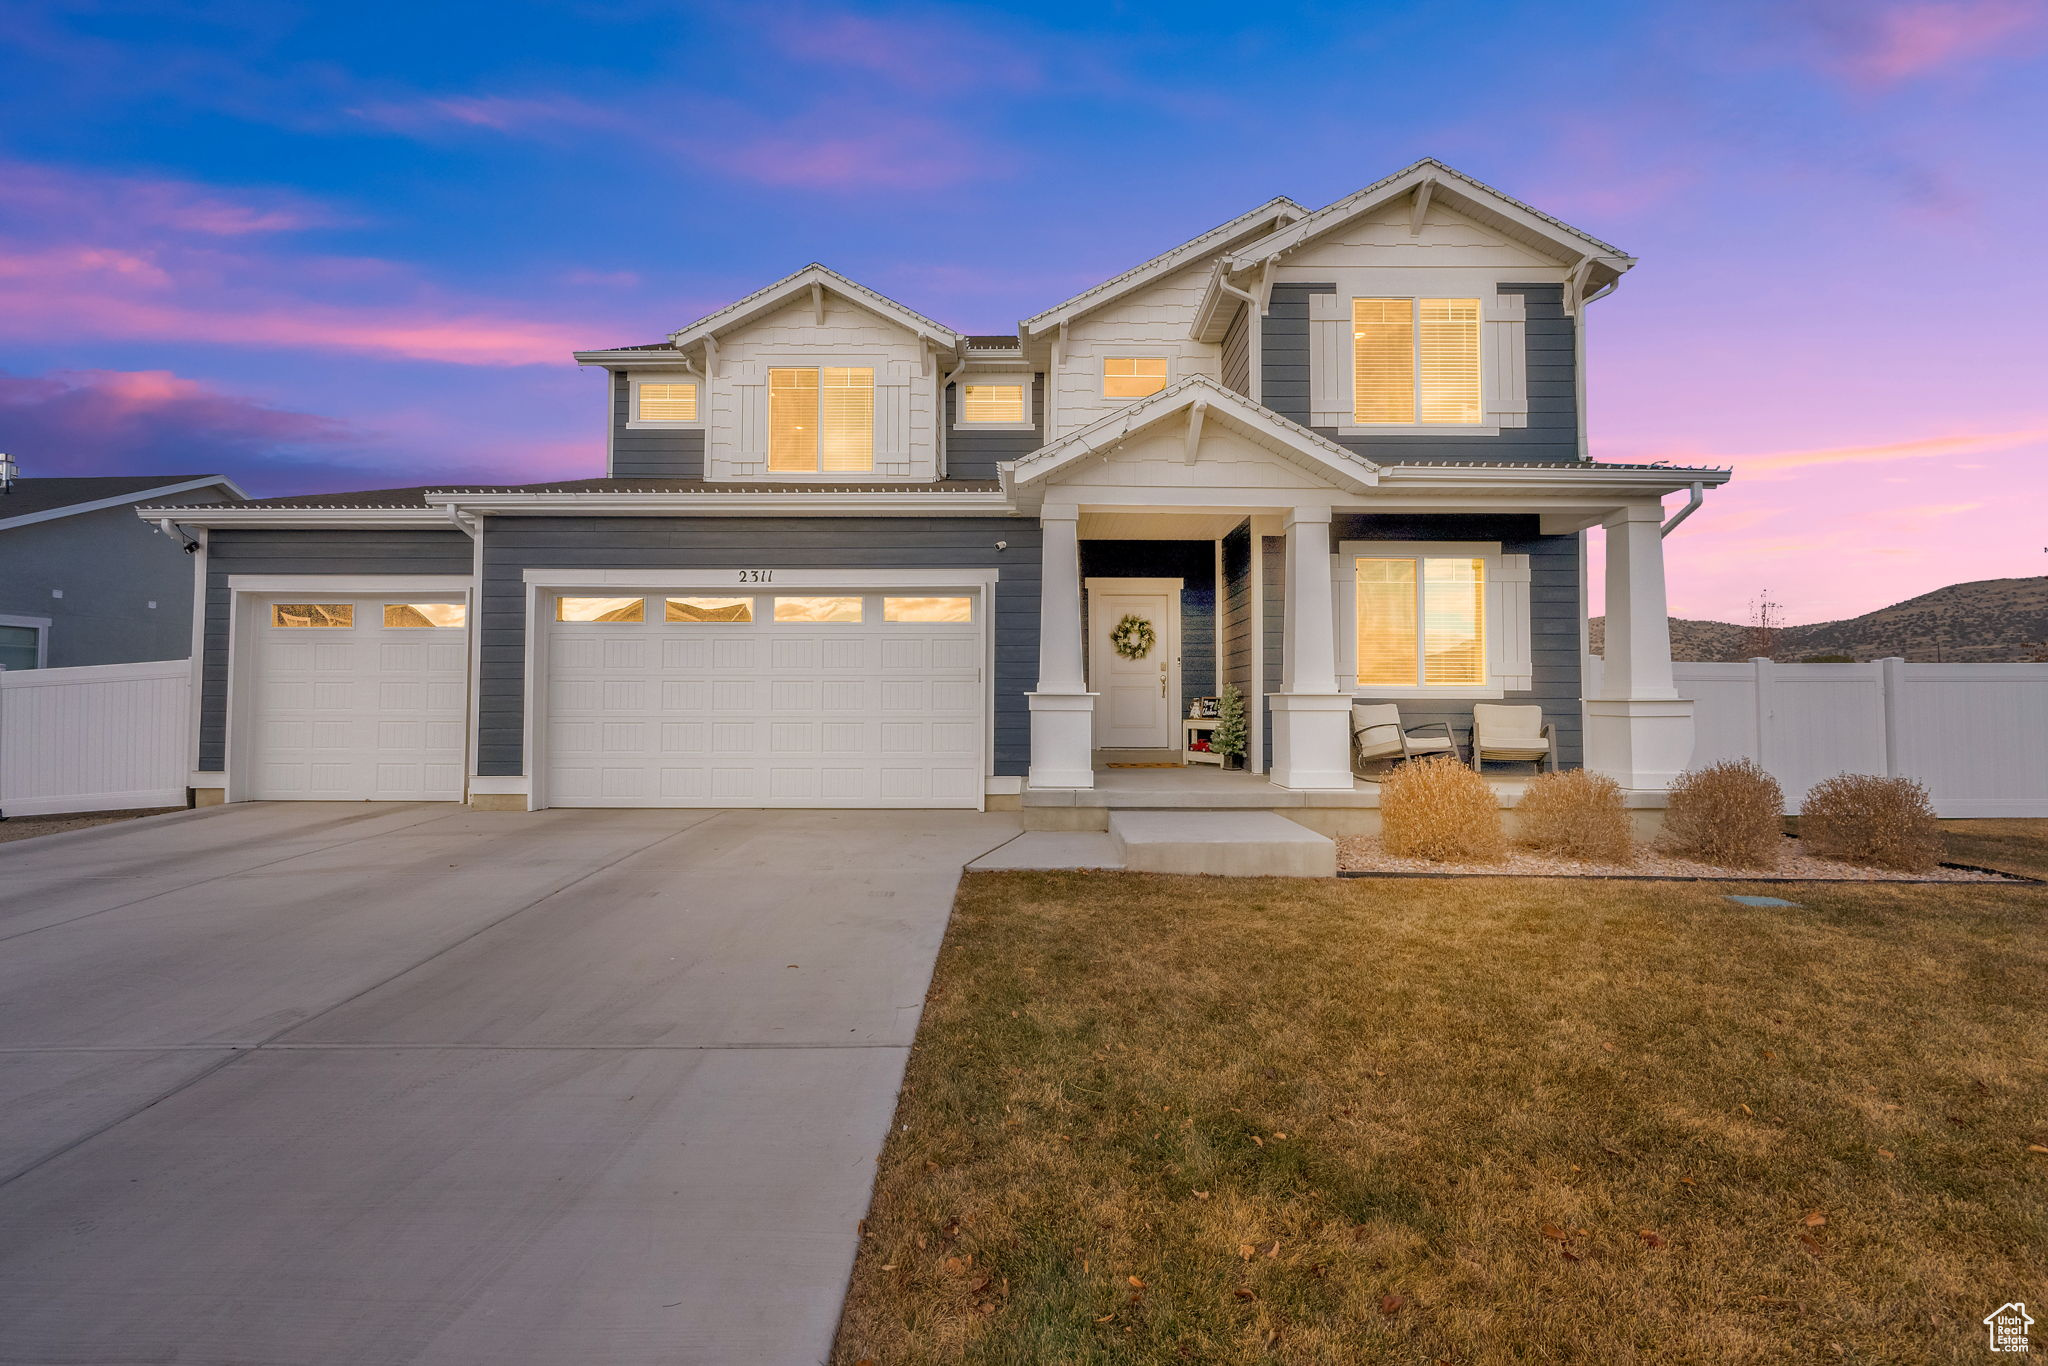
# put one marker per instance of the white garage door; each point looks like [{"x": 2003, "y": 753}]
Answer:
[
  {"x": 355, "y": 699},
  {"x": 792, "y": 699}
]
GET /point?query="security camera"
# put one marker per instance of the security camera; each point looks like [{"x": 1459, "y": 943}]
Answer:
[
  {"x": 1002, "y": 545},
  {"x": 190, "y": 547}
]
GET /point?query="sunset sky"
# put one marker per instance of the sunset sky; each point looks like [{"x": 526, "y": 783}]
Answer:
[{"x": 326, "y": 246}]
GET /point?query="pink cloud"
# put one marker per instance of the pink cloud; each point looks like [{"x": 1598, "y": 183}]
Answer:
[
  {"x": 90, "y": 203},
  {"x": 522, "y": 114},
  {"x": 1966, "y": 443},
  {"x": 1879, "y": 44},
  {"x": 940, "y": 51},
  {"x": 852, "y": 153}
]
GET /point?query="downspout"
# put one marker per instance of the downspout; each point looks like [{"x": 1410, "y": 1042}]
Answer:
[
  {"x": 1577, "y": 308},
  {"x": 1255, "y": 329},
  {"x": 1692, "y": 505}
]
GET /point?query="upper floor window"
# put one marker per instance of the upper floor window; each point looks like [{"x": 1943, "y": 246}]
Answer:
[
  {"x": 665, "y": 402},
  {"x": 821, "y": 419},
  {"x": 1415, "y": 361},
  {"x": 992, "y": 403},
  {"x": 1133, "y": 376}
]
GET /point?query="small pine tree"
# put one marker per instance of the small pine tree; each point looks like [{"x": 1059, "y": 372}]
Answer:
[{"x": 1228, "y": 739}]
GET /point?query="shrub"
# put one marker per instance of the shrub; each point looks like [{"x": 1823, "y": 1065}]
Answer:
[
  {"x": 1578, "y": 814},
  {"x": 1437, "y": 808},
  {"x": 1730, "y": 813},
  {"x": 1881, "y": 822}
]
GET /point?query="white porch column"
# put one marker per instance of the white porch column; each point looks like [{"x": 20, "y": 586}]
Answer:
[
  {"x": 1311, "y": 719},
  {"x": 1638, "y": 730},
  {"x": 1062, "y": 708}
]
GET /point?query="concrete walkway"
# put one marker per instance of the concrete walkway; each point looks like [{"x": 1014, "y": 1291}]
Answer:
[{"x": 310, "y": 1083}]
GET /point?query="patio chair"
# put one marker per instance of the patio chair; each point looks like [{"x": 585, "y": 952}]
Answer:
[
  {"x": 1377, "y": 733},
  {"x": 1512, "y": 733}
]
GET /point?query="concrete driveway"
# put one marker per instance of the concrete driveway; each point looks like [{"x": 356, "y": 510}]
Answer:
[{"x": 356, "y": 1083}]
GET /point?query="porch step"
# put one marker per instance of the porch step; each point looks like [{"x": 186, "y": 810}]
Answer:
[
  {"x": 1040, "y": 849},
  {"x": 1225, "y": 843}
]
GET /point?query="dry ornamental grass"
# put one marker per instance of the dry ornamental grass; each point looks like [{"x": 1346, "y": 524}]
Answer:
[
  {"x": 1578, "y": 814},
  {"x": 1879, "y": 822},
  {"x": 1730, "y": 813},
  {"x": 1440, "y": 809}
]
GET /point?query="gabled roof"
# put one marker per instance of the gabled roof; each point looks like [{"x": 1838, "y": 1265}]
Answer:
[
  {"x": 1474, "y": 198},
  {"x": 1343, "y": 468},
  {"x": 789, "y": 287},
  {"x": 45, "y": 500},
  {"x": 1281, "y": 209}
]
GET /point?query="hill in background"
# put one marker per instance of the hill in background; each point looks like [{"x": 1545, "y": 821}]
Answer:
[{"x": 1989, "y": 621}]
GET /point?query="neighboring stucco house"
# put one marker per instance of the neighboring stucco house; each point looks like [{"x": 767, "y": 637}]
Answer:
[
  {"x": 847, "y": 556},
  {"x": 83, "y": 582}
]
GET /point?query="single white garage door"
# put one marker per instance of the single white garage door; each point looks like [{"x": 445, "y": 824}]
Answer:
[
  {"x": 355, "y": 699},
  {"x": 790, "y": 699}
]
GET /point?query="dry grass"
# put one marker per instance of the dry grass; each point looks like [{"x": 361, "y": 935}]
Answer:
[
  {"x": 1154, "y": 1120},
  {"x": 1730, "y": 813},
  {"x": 1440, "y": 809},
  {"x": 1577, "y": 813},
  {"x": 1879, "y": 822},
  {"x": 2009, "y": 844}
]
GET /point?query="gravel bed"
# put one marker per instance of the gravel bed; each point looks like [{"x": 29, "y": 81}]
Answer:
[{"x": 1363, "y": 854}]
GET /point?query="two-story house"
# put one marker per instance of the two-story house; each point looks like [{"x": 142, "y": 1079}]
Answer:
[{"x": 846, "y": 556}]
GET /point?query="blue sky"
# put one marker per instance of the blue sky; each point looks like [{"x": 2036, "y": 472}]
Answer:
[{"x": 327, "y": 246}]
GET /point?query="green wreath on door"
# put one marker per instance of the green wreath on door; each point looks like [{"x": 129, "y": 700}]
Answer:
[{"x": 1133, "y": 637}]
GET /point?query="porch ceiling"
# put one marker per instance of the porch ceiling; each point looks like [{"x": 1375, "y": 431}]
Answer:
[{"x": 1158, "y": 526}]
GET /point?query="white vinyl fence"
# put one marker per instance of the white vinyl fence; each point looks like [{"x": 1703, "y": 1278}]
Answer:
[
  {"x": 1975, "y": 735},
  {"x": 108, "y": 737}
]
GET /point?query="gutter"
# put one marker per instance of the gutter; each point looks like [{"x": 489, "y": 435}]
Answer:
[{"x": 1692, "y": 505}]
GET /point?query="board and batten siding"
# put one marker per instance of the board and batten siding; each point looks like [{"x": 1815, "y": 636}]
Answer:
[
  {"x": 972, "y": 454},
  {"x": 653, "y": 452},
  {"x": 1553, "y": 615},
  {"x": 406, "y": 554},
  {"x": 1553, "y": 430},
  {"x": 513, "y": 545}
]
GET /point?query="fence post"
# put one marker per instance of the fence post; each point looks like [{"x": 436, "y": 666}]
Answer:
[
  {"x": 1762, "y": 669},
  {"x": 1892, "y": 678}
]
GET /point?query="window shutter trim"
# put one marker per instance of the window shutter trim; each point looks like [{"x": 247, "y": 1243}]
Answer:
[
  {"x": 1507, "y": 354},
  {"x": 1514, "y": 666},
  {"x": 1329, "y": 368}
]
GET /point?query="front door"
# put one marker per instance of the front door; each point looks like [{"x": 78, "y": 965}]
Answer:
[{"x": 1134, "y": 662}]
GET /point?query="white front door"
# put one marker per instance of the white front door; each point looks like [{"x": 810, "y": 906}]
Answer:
[{"x": 1137, "y": 704}]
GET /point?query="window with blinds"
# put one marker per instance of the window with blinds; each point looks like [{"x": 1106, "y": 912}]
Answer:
[
  {"x": 1421, "y": 622},
  {"x": 821, "y": 419},
  {"x": 1132, "y": 376},
  {"x": 1415, "y": 360},
  {"x": 667, "y": 403},
  {"x": 992, "y": 403}
]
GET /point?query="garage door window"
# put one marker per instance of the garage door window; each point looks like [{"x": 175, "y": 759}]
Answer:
[
  {"x": 928, "y": 609},
  {"x": 694, "y": 610},
  {"x": 313, "y": 614},
  {"x": 818, "y": 609},
  {"x": 600, "y": 609},
  {"x": 415, "y": 616}
]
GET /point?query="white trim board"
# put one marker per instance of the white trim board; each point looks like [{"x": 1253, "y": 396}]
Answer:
[
  {"x": 348, "y": 583},
  {"x": 732, "y": 580}
]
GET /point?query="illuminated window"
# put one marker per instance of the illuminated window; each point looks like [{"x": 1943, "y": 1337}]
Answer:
[
  {"x": 315, "y": 614},
  {"x": 1415, "y": 360},
  {"x": 818, "y": 609},
  {"x": 601, "y": 609},
  {"x": 1132, "y": 376},
  {"x": 992, "y": 403},
  {"x": 1421, "y": 621},
  {"x": 928, "y": 609},
  {"x": 422, "y": 615},
  {"x": 710, "y": 609},
  {"x": 821, "y": 419},
  {"x": 666, "y": 403}
]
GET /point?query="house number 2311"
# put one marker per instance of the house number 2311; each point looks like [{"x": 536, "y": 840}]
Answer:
[{"x": 757, "y": 576}]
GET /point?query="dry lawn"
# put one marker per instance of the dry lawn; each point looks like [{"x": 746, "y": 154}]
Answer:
[
  {"x": 1154, "y": 1119},
  {"x": 2010, "y": 845}
]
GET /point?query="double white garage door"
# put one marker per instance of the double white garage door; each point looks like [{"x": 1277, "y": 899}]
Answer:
[{"x": 772, "y": 699}]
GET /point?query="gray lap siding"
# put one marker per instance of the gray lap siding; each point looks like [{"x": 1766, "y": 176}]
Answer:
[
  {"x": 1553, "y": 430},
  {"x": 513, "y": 545},
  {"x": 409, "y": 554},
  {"x": 651, "y": 452}
]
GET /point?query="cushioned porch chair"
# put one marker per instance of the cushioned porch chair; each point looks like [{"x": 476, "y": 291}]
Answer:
[
  {"x": 1377, "y": 733},
  {"x": 1512, "y": 733}
]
